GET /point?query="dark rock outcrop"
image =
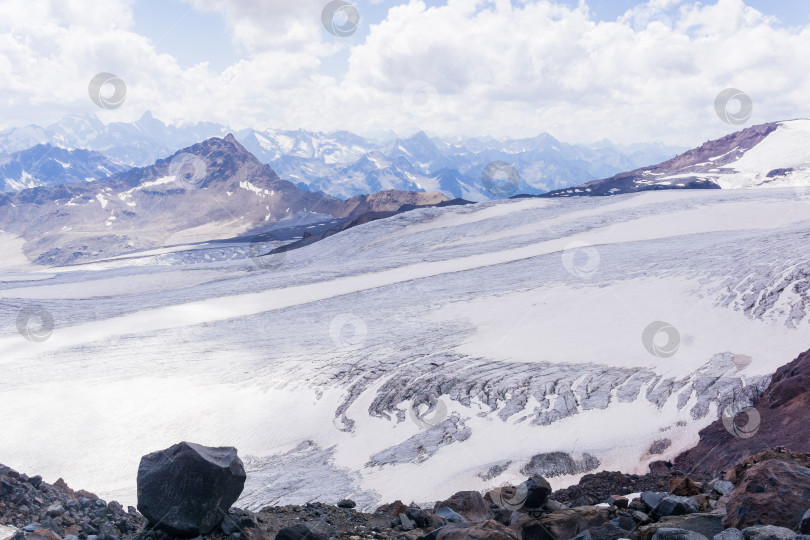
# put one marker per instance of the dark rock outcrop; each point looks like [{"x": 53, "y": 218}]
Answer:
[
  {"x": 187, "y": 489},
  {"x": 783, "y": 422},
  {"x": 772, "y": 492}
]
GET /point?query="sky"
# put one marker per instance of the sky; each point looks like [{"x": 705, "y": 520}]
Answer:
[{"x": 622, "y": 70}]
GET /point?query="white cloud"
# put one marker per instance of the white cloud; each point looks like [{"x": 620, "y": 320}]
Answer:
[{"x": 497, "y": 68}]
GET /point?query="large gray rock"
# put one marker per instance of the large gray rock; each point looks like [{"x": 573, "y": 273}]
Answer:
[
  {"x": 768, "y": 532},
  {"x": 608, "y": 531},
  {"x": 652, "y": 498},
  {"x": 730, "y": 534},
  {"x": 677, "y": 534},
  {"x": 186, "y": 490},
  {"x": 707, "y": 525},
  {"x": 311, "y": 530}
]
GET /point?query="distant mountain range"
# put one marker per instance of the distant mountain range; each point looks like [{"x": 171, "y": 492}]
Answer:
[
  {"x": 768, "y": 155},
  {"x": 212, "y": 190},
  {"x": 48, "y": 165},
  {"x": 343, "y": 164}
]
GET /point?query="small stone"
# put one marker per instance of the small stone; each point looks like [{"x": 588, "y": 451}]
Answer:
[
  {"x": 346, "y": 503},
  {"x": 55, "y": 509},
  {"x": 804, "y": 528},
  {"x": 618, "y": 501}
]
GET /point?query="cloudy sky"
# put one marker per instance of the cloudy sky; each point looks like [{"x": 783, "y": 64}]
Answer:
[{"x": 581, "y": 70}]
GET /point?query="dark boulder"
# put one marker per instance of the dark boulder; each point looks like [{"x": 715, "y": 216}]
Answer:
[
  {"x": 469, "y": 504},
  {"x": 677, "y": 534},
  {"x": 537, "y": 490},
  {"x": 673, "y": 505},
  {"x": 651, "y": 499},
  {"x": 187, "y": 489},
  {"x": 772, "y": 492},
  {"x": 311, "y": 530}
]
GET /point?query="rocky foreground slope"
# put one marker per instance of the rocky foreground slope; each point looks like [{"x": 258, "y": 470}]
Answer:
[{"x": 763, "y": 497}]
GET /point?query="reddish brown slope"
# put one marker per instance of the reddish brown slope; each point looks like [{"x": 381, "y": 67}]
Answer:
[{"x": 784, "y": 411}]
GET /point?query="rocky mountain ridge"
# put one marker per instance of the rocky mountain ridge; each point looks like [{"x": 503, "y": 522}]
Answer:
[
  {"x": 213, "y": 189},
  {"x": 767, "y": 155},
  {"x": 344, "y": 165}
]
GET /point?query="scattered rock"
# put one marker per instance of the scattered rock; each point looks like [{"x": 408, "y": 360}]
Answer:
[
  {"x": 450, "y": 515},
  {"x": 618, "y": 501},
  {"x": 469, "y": 504},
  {"x": 187, "y": 489},
  {"x": 305, "y": 531},
  {"x": 767, "y": 532},
  {"x": 722, "y": 487},
  {"x": 673, "y": 505},
  {"x": 608, "y": 531},
  {"x": 677, "y": 534},
  {"x": 708, "y": 525},
  {"x": 488, "y": 530},
  {"x": 730, "y": 534},
  {"x": 406, "y": 523},
  {"x": 391, "y": 510},
  {"x": 570, "y": 522},
  {"x": 417, "y": 516},
  {"x": 683, "y": 486},
  {"x": 346, "y": 503}
]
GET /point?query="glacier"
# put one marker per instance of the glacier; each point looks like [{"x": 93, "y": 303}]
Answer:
[{"x": 412, "y": 357}]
